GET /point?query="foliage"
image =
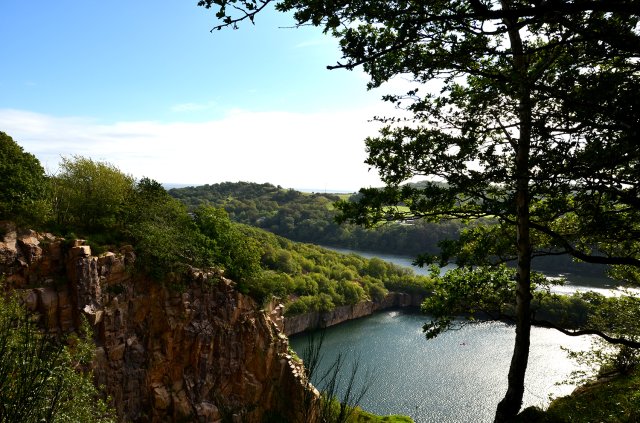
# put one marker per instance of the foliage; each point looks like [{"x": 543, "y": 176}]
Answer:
[
  {"x": 97, "y": 202},
  {"x": 311, "y": 218},
  {"x": 42, "y": 379},
  {"x": 310, "y": 278},
  {"x": 165, "y": 237},
  {"x": 618, "y": 317},
  {"x": 481, "y": 292},
  {"x": 89, "y": 195},
  {"x": 361, "y": 416},
  {"x": 611, "y": 400},
  {"x": 238, "y": 254},
  {"x": 511, "y": 130},
  {"x": 23, "y": 187}
]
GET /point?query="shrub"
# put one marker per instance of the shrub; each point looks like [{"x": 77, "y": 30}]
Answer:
[{"x": 40, "y": 378}]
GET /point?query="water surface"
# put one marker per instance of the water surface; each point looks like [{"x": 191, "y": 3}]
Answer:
[{"x": 458, "y": 377}]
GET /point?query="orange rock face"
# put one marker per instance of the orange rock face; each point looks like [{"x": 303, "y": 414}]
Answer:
[{"x": 205, "y": 354}]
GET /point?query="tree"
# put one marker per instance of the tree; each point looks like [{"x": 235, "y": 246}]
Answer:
[
  {"x": 239, "y": 255},
  {"x": 165, "y": 236},
  {"x": 89, "y": 194},
  {"x": 23, "y": 181},
  {"x": 524, "y": 128}
]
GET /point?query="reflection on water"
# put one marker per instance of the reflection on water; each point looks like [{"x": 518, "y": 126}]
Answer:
[
  {"x": 458, "y": 377},
  {"x": 461, "y": 375},
  {"x": 578, "y": 278}
]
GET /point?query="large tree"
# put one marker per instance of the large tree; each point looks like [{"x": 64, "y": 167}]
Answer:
[
  {"x": 23, "y": 181},
  {"x": 534, "y": 125}
]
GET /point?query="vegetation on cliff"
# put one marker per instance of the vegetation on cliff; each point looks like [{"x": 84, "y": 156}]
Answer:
[
  {"x": 43, "y": 378},
  {"x": 110, "y": 210},
  {"x": 23, "y": 188},
  {"x": 96, "y": 201}
]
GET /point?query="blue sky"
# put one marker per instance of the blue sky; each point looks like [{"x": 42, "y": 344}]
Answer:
[{"x": 145, "y": 86}]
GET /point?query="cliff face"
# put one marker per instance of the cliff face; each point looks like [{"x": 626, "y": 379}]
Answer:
[
  {"x": 204, "y": 353},
  {"x": 306, "y": 321}
]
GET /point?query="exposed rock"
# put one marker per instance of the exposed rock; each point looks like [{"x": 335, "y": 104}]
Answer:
[
  {"x": 306, "y": 321},
  {"x": 206, "y": 354}
]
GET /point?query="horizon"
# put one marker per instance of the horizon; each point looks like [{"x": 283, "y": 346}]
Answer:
[
  {"x": 147, "y": 88},
  {"x": 167, "y": 186}
]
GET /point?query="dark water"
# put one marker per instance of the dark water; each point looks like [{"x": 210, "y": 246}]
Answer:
[{"x": 458, "y": 377}]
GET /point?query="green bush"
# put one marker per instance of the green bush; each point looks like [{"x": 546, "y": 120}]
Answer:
[
  {"x": 90, "y": 195},
  {"x": 42, "y": 379}
]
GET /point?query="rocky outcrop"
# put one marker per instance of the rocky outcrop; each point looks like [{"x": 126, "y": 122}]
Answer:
[
  {"x": 303, "y": 322},
  {"x": 205, "y": 353}
]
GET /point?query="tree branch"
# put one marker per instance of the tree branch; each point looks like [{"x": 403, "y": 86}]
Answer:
[
  {"x": 630, "y": 261},
  {"x": 580, "y": 332}
]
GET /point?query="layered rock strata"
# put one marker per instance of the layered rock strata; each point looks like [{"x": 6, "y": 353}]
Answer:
[{"x": 205, "y": 353}]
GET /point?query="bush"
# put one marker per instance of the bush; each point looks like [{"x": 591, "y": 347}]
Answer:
[
  {"x": 90, "y": 195},
  {"x": 40, "y": 378}
]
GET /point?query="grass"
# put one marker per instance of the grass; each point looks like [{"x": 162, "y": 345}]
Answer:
[
  {"x": 361, "y": 416},
  {"x": 609, "y": 400}
]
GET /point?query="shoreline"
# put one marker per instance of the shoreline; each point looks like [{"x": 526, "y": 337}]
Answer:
[{"x": 300, "y": 323}]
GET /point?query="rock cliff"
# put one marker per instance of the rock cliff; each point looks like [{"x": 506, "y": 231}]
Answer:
[
  {"x": 300, "y": 323},
  {"x": 203, "y": 353}
]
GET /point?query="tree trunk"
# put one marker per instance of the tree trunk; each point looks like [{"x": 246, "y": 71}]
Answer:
[{"x": 510, "y": 405}]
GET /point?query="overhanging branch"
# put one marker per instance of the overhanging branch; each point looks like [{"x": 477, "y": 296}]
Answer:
[
  {"x": 588, "y": 258},
  {"x": 581, "y": 332}
]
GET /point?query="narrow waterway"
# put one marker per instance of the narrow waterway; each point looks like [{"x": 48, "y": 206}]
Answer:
[{"x": 459, "y": 376}]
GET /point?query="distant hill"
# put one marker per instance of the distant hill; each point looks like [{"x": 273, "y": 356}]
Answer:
[{"x": 309, "y": 217}]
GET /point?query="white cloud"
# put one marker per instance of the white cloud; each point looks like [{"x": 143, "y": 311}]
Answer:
[{"x": 300, "y": 150}]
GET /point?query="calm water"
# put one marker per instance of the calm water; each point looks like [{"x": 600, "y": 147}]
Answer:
[
  {"x": 458, "y": 377},
  {"x": 592, "y": 278}
]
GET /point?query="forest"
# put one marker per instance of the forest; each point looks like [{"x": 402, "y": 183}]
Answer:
[
  {"x": 97, "y": 202},
  {"x": 311, "y": 217}
]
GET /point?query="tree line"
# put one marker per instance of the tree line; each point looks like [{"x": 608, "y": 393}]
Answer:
[
  {"x": 95, "y": 201},
  {"x": 311, "y": 217}
]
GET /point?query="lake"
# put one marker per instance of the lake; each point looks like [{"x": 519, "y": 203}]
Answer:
[{"x": 459, "y": 376}]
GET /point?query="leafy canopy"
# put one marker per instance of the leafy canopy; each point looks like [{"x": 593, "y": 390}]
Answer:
[
  {"x": 23, "y": 184},
  {"x": 89, "y": 194}
]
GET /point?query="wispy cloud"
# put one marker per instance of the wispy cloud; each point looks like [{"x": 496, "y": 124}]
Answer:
[{"x": 313, "y": 150}]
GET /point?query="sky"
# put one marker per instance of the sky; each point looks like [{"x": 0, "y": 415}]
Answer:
[{"x": 145, "y": 86}]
